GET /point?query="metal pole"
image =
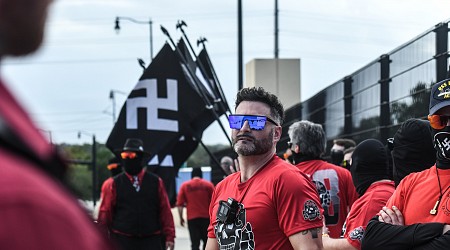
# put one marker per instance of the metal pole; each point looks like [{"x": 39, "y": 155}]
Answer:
[
  {"x": 276, "y": 29},
  {"x": 94, "y": 170},
  {"x": 240, "y": 78},
  {"x": 150, "y": 23}
]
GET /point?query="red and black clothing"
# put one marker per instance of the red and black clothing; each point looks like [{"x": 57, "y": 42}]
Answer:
[
  {"x": 196, "y": 195},
  {"x": 335, "y": 187},
  {"x": 137, "y": 215}
]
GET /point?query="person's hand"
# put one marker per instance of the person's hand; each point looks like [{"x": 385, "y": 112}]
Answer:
[
  {"x": 182, "y": 221},
  {"x": 236, "y": 167},
  {"x": 170, "y": 245},
  {"x": 392, "y": 216}
]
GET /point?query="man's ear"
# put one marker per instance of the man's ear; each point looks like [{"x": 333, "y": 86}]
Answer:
[
  {"x": 276, "y": 133},
  {"x": 296, "y": 149}
]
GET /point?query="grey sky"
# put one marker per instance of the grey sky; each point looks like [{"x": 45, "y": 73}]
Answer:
[{"x": 66, "y": 85}]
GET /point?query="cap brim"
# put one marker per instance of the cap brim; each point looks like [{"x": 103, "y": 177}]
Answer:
[{"x": 438, "y": 106}]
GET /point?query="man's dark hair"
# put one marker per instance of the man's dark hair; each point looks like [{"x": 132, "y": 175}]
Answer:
[
  {"x": 258, "y": 94},
  {"x": 197, "y": 172}
]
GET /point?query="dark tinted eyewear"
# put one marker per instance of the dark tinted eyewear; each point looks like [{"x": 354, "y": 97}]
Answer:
[{"x": 255, "y": 122}]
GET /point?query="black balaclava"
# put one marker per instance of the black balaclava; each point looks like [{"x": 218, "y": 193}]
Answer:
[
  {"x": 413, "y": 149},
  {"x": 369, "y": 164},
  {"x": 441, "y": 142},
  {"x": 337, "y": 156},
  {"x": 133, "y": 166}
]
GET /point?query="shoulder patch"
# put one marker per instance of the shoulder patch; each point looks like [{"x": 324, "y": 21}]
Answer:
[
  {"x": 356, "y": 234},
  {"x": 311, "y": 211}
]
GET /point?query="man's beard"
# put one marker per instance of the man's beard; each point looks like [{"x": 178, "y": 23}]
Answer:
[{"x": 253, "y": 146}]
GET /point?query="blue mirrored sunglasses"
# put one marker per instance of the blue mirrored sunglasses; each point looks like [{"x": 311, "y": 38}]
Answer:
[{"x": 255, "y": 122}]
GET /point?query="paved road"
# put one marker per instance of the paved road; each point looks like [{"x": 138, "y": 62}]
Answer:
[{"x": 182, "y": 241}]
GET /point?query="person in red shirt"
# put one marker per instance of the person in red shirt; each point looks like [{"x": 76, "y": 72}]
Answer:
[
  {"x": 370, "y": 175},
  {"x": 269, "y": 204},
  {"x": 422, "y": 199},
  {"x": 36, "y": 207},
  {"x": 195, "y": 195},
  {"x": 334, "y": 184},
  {"x": 135, "y": 208}
]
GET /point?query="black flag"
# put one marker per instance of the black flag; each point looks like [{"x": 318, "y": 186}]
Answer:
[{"x": 163, "y": 109}]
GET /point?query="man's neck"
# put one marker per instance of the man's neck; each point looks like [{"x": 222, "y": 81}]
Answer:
[{"x": 251, "y": 164}]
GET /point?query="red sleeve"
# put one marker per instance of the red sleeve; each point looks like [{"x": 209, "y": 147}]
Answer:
[
  {"x": 397, "y": 198},
  {"x": 297, "y": 203},
  {"x": 108, "y": 203},
  {"x": 181, "y": 199},
  {"x": 168, "y": 226},
  {"x": 352, "y": 195}
]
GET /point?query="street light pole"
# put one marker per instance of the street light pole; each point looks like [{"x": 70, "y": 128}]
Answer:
[
  {"x": 93, "y": 164},
  {"x": 150, "y": 23},
  {"x": 112, "y": 96}
]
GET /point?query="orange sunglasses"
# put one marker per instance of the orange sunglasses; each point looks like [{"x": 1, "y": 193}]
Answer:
[
  {"x": 438, "y": 121},
  {"x": 128, "y": 155}
]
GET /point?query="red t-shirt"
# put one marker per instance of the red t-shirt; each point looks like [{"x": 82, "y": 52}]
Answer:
[
  {"x": 36, "y": 212},
  {"x": 196, "y": 195},
  {"x": 336, "y": 191},
  {"x": 417, "y": 194},
  {"x": 366, "y": 207},
  {"x": 277, "y": 202},
  {"x": 105, "y": 214}
]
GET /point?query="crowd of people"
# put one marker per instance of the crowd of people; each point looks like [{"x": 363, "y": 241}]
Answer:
[{"x": 369, "y": 196}]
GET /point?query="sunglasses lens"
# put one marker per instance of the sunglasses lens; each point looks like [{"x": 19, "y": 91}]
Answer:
[
  {"x": 128, "y": 155},
  {"x": 254, "y": 122},
  {"x": 438, "y": 121}
]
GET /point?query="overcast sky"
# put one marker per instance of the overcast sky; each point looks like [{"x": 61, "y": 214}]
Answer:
[{"x": 66, "y": 85}]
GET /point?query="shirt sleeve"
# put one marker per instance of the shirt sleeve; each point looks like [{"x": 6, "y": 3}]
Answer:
[
  {"x": 168, "y": 226},
  {"x": 380, "y": 235},
  {"x": 107, "y": 205},
  {"x": 297, "y": 203}
]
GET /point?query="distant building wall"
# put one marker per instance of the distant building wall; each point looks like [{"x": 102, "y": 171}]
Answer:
[{"x": 278, "y": 76}]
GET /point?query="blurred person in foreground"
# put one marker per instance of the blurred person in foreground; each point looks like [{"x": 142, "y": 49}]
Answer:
[
  {"x": 418, "y": 214},
  {"x": 195, "y": 195},
  {"x": 37, "y": 210},
  {"x": 334, "y": 184},
  {"x": 269, "y": 204},
  {"x": 135, "y": 208},
  {"x": 370, "y": 176}
]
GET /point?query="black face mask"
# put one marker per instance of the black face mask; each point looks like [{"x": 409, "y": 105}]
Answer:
[
  {"x": 441, "y": 142},
  {"x": 299, "y": 157},
  {"x": 132, "y": 166},
  {"x": 337, "y": 156}
]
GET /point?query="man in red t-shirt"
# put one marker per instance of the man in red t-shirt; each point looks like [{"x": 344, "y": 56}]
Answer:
[
  {"x": 334, "y": 184},
  {"x": 269, "y": 204},
  {"x": 195, "y": 195}
]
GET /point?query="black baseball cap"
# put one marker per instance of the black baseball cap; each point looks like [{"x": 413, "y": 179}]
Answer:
[{"x": 440, "y": 96}]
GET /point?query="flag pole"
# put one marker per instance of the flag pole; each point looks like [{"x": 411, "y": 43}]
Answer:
[
  {"x": 202, "y": 41},
  {"x": 223, "y": 102},
  {"x": 204, "y": 97}
]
